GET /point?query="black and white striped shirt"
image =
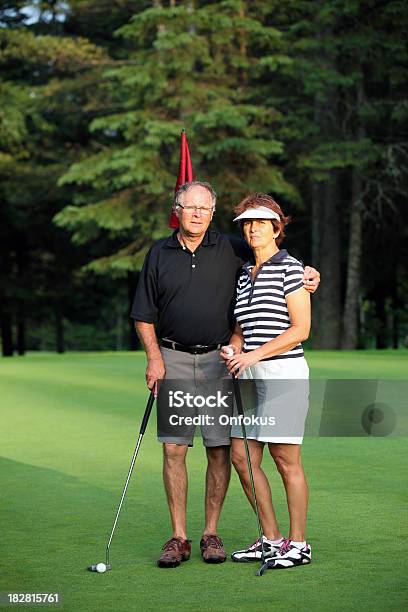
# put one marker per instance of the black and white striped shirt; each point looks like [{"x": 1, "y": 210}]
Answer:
[{"x": 261, "y": 308}]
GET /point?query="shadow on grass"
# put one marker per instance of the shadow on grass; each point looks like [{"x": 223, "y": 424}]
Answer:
[{"x": 54, "y": 524}]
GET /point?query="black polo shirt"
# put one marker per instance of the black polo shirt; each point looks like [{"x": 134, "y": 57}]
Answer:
[{"x": 190, "y": 296}]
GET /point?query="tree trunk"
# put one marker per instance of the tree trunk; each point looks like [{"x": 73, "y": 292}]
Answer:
[
  {"x": 316, "y": 212},
  {"x": 316, "y": 199},
  {"x": 59, "y": 330},
  {"x": 326, "y": 306},
  {"x": 351, "y": 306},
  {"x": 326, "y": 217},
  {"x": 316, "y": 240},
  {"x": 21, "y": 260},
  {"x": 6, "y": 335},
  {"x": 380, "y": 311},
  {"x": 361, "y": 344},
  {"x": 21, "y": 333},
  {"x": 6, "y": 309},
  {"x": 395, "y": 310}
]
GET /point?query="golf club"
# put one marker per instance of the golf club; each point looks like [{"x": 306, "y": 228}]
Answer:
[
  {"x": 238, "y": 400},
  {"x": 103, "y": 567}
]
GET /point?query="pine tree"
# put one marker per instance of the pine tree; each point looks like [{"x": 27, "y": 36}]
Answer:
[
  {"x": 344, "y": 56},
  {"x": 37, "y": 120},
  {"x": 192, "y": 65}
]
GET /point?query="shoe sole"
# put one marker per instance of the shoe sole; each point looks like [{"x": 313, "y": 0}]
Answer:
[
  {"x": 289, "y": 566},
  {"x": 243, "y": 560},
  {"x": 168, "y": 565},
  {"x": 171, "y": 564},
  {"x": 214, "y": 560}
]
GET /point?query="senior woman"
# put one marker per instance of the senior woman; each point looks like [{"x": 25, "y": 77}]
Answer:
[{"x": 273, "y": 318}]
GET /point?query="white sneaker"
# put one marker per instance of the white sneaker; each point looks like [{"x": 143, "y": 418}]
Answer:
[
  {"x": 254, "y": 552},
  {"x": 289, "y": 555}
]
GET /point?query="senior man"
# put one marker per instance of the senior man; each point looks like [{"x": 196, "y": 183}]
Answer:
[{"x": 183, "y": 311}]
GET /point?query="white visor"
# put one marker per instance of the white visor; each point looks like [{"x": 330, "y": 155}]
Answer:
[{"x": 261, "y": 212}]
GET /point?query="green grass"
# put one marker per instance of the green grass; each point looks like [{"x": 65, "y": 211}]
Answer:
[{"x": 68, "y": 429}]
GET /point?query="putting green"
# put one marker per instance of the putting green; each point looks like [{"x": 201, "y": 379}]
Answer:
[{"x": 69, "y": 427}]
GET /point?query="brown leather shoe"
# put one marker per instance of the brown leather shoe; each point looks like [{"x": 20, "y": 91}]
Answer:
[
  {"x": 174, "y": 552},
  {"x": 212, "y": 549}
]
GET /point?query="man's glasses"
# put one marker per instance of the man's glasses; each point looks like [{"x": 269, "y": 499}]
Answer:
[{"x": 203, "y": 210}]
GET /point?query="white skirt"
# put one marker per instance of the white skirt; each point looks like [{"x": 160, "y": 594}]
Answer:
[{"x": 275, "y": 401}]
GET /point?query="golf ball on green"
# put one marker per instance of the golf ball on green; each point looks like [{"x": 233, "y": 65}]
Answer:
[{"x": 101, "y": 568}]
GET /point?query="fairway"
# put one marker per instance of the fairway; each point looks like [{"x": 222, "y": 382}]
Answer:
[{"x": 69, "y": 427}]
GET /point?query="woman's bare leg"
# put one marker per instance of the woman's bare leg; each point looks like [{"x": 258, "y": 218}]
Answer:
[
  {"x": 262, "y": 489},
  {"x": 289, "y": 463}
]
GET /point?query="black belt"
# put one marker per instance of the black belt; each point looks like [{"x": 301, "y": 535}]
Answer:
[{"x": 197, "y": 349}]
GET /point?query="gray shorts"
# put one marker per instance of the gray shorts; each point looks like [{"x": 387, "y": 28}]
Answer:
[{"x": 198, "y": 375}]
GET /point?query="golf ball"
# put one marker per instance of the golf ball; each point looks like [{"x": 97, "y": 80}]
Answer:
[
  {"x": 228, "y": 351},
  {"x": 101, "y": 568}
]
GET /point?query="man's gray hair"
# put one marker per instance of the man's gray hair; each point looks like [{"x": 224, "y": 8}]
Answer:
[{"x": 187, "y": 186}]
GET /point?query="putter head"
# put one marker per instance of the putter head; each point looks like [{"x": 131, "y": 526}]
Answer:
[
  {"x": 100, "y": 568},
  {"x": 261, "y": 570}
]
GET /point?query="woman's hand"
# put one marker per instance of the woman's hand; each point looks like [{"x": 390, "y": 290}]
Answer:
[
  {"x": 228, "y": 351},
  {"x": 238, "y": 363}
]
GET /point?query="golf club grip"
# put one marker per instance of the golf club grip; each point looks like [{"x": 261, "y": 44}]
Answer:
[
  {"x": 237, "y": 393},
  {"x": 146, "y": 415}
]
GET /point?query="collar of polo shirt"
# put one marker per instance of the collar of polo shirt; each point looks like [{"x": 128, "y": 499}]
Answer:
[
  {"x": 210, "y": 238},
  {"x": 277, "y": 258}
]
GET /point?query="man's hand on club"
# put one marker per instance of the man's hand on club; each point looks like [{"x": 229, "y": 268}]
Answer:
[
  {"x": 155, "y": 371},
  {"x": 311, "y": 279}
]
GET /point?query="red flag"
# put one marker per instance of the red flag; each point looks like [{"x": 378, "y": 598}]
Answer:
[{"x": 185, "y": 174}]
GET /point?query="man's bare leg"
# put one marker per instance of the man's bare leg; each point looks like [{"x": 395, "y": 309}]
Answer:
[
  {"x": 216, "y": 485},
  {"x": 176, "y": 484}
]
